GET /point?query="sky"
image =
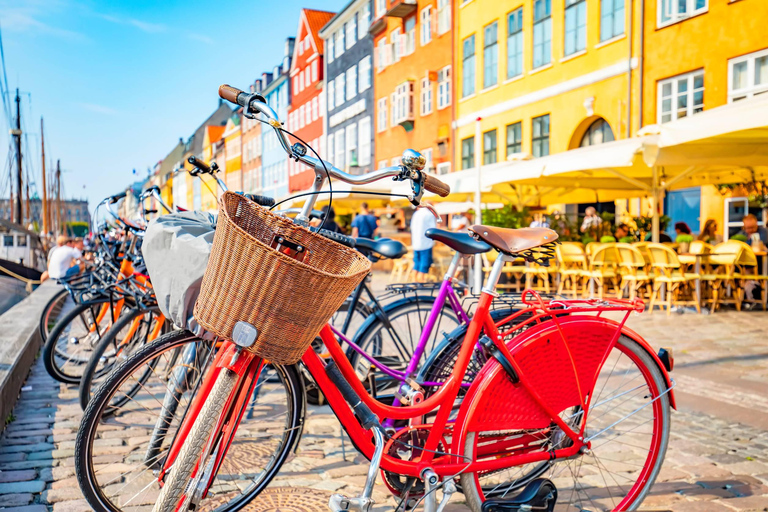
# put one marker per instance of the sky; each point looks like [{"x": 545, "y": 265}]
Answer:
[{"x": 119, "y": 82}]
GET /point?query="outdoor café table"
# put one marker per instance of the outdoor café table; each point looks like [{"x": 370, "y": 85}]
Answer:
[{"x": 764, "y": 256}]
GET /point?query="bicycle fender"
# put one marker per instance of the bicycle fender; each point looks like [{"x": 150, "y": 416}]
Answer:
[
  {"x": 629, "y": 333},
  {"x": 494, "y": 402}
]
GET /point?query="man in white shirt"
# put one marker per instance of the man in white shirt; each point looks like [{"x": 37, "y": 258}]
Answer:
[
  {"x": 60, "y": 265},
  {"x": 459, "y": 223},
  {"x": 421, "y": 221}
]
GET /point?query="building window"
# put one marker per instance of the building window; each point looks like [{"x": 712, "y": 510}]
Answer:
[
  {"x": 597, "y": 133},
  {"x": 365, "y": 21},
  {"x": 340, "y": 41},
  {"x": 365, "y": 73},
  {"x": 672, "y": 11},
  {"x": 331, "y": 94},
  {"x": 444, "y": 87},
  {"x": 382, "y": 164},
  {"x": 540, "y": 139},
  {"x": 381, "y": 54},
  {"x": 410, "y": 35},
  {"x": 542, "y": 33},
  {"x": 381, "y": 8},
  {"x": 296, "y": 83},
  {"x": 491, "y": 55},
  {"x": 328, "y": 153},
  {"x": 748, "y": 75},
  {"x": 301, "y": 116},
  {"x": 314, "y": 108},
  {"x": 468, "y": 67},
  {"x": 426, "y": 96},
  {"x": 443, "y": 16},
  {"x": 330, "y": 48},
  {"x": 427, "y": 154},
  {"x": 514, "y": 138},
  {"x": 681, "y": 96},
  {"x": 339, "y": 140},
  {"x": 314, "y": 71},
  {"x": 426, "y": 25},
  {"x": 575, "y": 26},
  {"x": 381, "y": 115},
  {"x": 515, "y": 43},
  {"x": 301, "y": 81},
  {"x": 351, "y": 28},
  {"x": 352, "y": 145},
  {"x": 489, "y": 147},
  {"x": 340, "y": 90},
  {"x": 364, "y": 133},
  {"x": 397, "y": 44},
  {"x": 351, "y": 82},
  {"x": 611, "y": 19},
  {"x": 468, "y": 153},
  {"x": 443, "y": 168},
  {"x": 403, "y": 103}
]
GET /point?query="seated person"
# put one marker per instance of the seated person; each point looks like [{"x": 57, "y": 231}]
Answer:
[
  {"x": 622, "y": 231},
  {"x": 751, "y": 230},
  {"x": 66, "y": 260}
]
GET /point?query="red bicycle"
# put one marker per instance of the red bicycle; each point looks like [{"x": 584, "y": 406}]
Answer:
[{"x": 569, "y": 409}]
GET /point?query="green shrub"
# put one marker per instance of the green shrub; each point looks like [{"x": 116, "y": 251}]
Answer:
[
  {"x": 587, "y": 240},
  {"x": 607, "y": 239},
  {"x": 626, "y": 239},
  {"x": 740, "y": 238},
  {"x": 684, "y": 239}
]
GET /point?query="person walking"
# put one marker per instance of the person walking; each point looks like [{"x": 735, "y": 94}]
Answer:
[
  {"x": 365, "y": 224},
  {"x": 421, "y": 221}
]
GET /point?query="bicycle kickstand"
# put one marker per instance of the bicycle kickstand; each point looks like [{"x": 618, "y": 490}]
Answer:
[
  {"x": 431, "y": 486},
  {"x": 364, "y": 502}
]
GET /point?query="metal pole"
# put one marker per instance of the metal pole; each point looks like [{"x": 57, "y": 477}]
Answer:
[
  {"x": 58, "y": 197},
  {"x": 17, "y": 138},
  {"x": 45, "y": 220},
  {"x": 655, "y": 214},
  {"x": 478, "y": 285},
  {"x": 629, "y": 70}
]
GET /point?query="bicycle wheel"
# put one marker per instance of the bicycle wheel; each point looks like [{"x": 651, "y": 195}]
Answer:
[
  {"x": 119, "y": 448},
  {"x": 130, "y": 332},
  {"x": 71, "y": 342},
  {"x": 59, "y": 305},
  {"x": 628, "y": 427},
  {"x": 391, "y": 336}
]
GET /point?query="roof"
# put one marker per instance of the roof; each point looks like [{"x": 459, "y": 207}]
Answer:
[
  {"x": 219, "y": 116},
  {"x": 340, "y": 14},
  {"x": 315, "y": 21},
  {"x": 12, "y": 226},
  {"x": 174, "y": 157},
  {"x": 214, "y": 133}
]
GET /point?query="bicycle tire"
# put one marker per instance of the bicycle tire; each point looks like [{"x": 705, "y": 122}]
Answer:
[
  {"x": 87, "y": 465},
  {"x": 661, "y": 426},
  {"x": 177, "y": 479},
  {"x": 375, "y": 322},
  {"x": 45, "y": 317},
  {"x": 52, "y": 354},
  {"x": 90, "y": 373}
]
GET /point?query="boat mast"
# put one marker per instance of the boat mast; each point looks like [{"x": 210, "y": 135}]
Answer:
[
  {"x": 45, "y": 221},
  {"x": 17, "y": 138},
  {"x": 58, "y": 197}
]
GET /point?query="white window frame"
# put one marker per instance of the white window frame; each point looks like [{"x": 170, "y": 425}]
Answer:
[
  {"x": 340, "y": 41},
  {"x": 301, "y": 80},
  {"x": 425, "y": 30},
  {"x": 674, "y": 86},
  {"x": 314, "y": 71},
  {"x": 314, "y": 108},
  {"x": 444, "y": 88},
  {"x": 403, "y": 107},
  {"x": 427, "y": 154},
  {"x": 364, "y": 74},
  {"x": 381, "y": 8},
  {"x": 351, "y": 31},
  {"x": 331, "y": 92},
  {"x": 351, "y": 143},
  {"x": 673, "y": 11},
  {"x": 751, "y": 89},
  {"x": 328, "y": 151},
  {"x": 443, "y": 168},
  {"x": 364, "y": 22},
  {"x": 443, "y": 16},
  {"x": 364, "y": 141},
  {"x": 381, "y": 115},
  {"x": 381, "y": 54},
  {"x": 340, "y": 89},
  {"x": 351, "y": 87},
  {"x": 340, "y": 152},
  {"x": 395, "y": 42},
  {"x": 410, "y": 39},
  {"x": 425, "y": 103},
  {"x": 330, "y": 43}
]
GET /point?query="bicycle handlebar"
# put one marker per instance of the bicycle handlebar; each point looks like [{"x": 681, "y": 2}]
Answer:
[{"x": 436, "y": 186}]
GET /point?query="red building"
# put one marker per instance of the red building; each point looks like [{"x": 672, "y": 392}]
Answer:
[{"x": 305, "y": 117}]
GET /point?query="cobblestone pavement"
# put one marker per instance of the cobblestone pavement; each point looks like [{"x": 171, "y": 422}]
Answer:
[{"x": 717, "y": 459}]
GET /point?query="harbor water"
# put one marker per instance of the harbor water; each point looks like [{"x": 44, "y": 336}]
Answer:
[{"x": 12, "y": 291}]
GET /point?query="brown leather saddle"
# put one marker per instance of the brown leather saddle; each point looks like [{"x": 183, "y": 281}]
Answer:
[{"x": 513, "y": 241}]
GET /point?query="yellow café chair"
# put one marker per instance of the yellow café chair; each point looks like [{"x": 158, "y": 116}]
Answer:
[
  {"x": 572, "y": 262},
  {"x": 697, "y": 247},
  {"x": 632, "y": 268},
  {"x": 669, "y": 274},
  {"x": 513, "y": 270},
  {"x": 601, "y": 268},
  {"x": 747, "y": 272},
  {"x": 720, "y": 274}
]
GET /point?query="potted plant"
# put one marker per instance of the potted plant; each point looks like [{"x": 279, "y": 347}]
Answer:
[{"x": 683, "y": 243}]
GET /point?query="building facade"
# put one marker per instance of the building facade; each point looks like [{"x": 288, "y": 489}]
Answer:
[
  {"x": 305, "y": 113},
  {"x": 726, "y": 60},
  {"x": 274, "y": 160},
  {"x": 349, "y": 92},
  {"x": 413, "y": 69},
  {"x": 233, "y": 171},
  {"x": 72, "y": 210},
  {"x": 251, "y": 151}
]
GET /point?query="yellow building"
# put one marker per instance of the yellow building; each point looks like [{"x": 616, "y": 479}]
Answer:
[
  {"x": 233, "y": 154},
  {"x": 543, "y": 76},
  {"x": 205, "y": 186},
  {"x": 698, "y": 55}
]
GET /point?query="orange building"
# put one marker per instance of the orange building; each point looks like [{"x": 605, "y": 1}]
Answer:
[
  {"x": 412, "y": 78},
  {"x": 305, "y": 113}
]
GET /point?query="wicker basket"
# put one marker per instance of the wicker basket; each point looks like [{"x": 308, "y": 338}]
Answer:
[{"x": 287, "y": 300}]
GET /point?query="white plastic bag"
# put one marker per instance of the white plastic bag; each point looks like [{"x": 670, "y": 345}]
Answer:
[{"x": 176, "y": 248}]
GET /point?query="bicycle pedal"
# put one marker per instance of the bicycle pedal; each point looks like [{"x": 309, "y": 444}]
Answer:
[
  {"x": 341, "y": 503},
  {"x": 538, "y": 495}
]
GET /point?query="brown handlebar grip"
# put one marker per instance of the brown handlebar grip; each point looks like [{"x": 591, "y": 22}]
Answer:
[
  {"x": 436, "y": 186},
  {"x": 229, "y": 93}
]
